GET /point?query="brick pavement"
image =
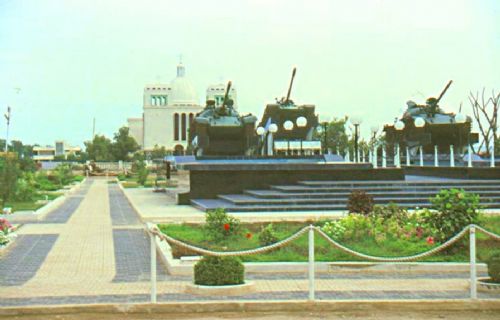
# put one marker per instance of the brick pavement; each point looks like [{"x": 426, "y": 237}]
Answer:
[{"x": 99, "y": 254}]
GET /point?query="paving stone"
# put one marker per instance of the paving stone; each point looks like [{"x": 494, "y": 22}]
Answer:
[
  {"x": 132, "y": 256},
  {"x": 121, "y": 211},
  {"x": 24, "y": 258}
]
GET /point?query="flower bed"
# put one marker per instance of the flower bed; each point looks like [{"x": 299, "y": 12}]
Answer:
[{"x": 358, "y": 233}]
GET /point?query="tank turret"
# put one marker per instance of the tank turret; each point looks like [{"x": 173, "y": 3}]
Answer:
[{"x": 221, "y": 130}]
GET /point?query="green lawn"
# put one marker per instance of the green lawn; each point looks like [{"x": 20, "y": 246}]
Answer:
[{"x": 297, "y": 250}]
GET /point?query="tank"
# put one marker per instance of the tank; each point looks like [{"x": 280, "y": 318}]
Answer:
[
  {"x": 285, "y": 109},
  {"x": 222, "y": 131},
  {"x": 440, "y": 128}
]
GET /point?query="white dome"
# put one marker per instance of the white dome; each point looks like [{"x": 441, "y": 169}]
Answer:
[{"x": 182, "y": 90}]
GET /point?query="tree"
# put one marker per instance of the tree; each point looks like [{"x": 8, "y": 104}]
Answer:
[
  {"x": 485, "y": 111},
  {"x": 99, "y": 149},
  {"x": 123, "y": 144},
  {"x": 158, "y": 152},
  {"x": 9, "y": 173},
  {"x": 336, "y": 137}
]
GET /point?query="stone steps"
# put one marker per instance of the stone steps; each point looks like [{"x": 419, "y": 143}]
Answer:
[{"x": 333, "y": 195}]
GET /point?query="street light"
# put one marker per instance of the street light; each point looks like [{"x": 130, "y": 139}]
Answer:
[
  {"x": 301, "y": 123},
  {"x": 273, "y": 128},
  {"x": 288, "y": 126},
  {"x": 461, "y": 119},
  {"x": 374, "y": 130},
  {"x": 261, "y": 131},
  {"x": 420, "y": 123},
  {"x": 399, "y": 126},
  {"x": 356, "y": 121}
]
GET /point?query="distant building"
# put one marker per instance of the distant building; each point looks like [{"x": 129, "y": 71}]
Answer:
[
  {"x": 168, "y": 111},
  {"x": 48, "y": 153}
]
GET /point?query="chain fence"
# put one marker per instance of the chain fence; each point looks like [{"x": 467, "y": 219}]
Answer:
[{"x": 311, "y": 230}]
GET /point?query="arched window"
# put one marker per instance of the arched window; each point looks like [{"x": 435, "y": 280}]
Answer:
[
  {"x": 176, "y": 127},
  {"x": 183, "y": 123}
]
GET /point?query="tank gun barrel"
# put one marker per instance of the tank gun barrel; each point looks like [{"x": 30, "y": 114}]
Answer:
[
  {"x": 444, "y": 91},
  {"x": 226, "y": 96},
  {"x": 290, "y": 87}
]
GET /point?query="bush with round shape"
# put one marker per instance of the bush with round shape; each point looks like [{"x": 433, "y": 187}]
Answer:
[
  {"x": 219, "y": 226},
  {"x": 454, "y": 209},
  {"x": 360, "y": 202},
  {"x": 219, "y": 271},
  {"x": 267, "y": 235},
  {"x": 494, "y": 268}
]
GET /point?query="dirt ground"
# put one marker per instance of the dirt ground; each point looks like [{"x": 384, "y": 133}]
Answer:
[{"x": 455, "y": 315}]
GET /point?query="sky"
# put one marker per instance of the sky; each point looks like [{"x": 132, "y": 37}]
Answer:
[{"x": 62, "y": 63}]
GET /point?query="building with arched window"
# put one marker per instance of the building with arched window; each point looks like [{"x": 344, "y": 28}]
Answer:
[{"x": 167, "y": 113}]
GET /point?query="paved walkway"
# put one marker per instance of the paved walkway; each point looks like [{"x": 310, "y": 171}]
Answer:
[{"x": 92, "y": 249}]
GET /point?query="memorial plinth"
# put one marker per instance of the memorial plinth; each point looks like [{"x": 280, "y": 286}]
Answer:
[{"x": 208, "y": 180}]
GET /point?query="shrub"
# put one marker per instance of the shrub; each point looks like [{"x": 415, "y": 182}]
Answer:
[
  {"x": 219, "y": 271},
  {"x": 220, "y": 226},
  {"x": 360, "y": 202},
  {"x": 494, "y": 268},
  {"x": 139, "y": 167},
  {"x": 455, "y": 209},
  {"x": 63, "y": 174},
  {"x": 335, "y": 229},
  {"x": 390, "y": 211},
  {"x": 267, "y": 235},
  {"x": 25, "y": 188}
]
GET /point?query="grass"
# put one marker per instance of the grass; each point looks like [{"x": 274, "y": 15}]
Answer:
[
  {"x": 297, "y": 250},
  {"x": 132, "y": 183}
]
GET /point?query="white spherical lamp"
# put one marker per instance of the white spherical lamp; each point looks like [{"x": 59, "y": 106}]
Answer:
[
  {"x": 419, "y": 122},
  {"x": 273, "y": 128},
  {"x": 288, "y": 125},
  {"x": 460, "y": 118},
  {"x": 400, "y": 125},
  {"x": 374, "y": 129},
  {"x": 301, "y": 122},
  {"x": 260, "y": 131}
]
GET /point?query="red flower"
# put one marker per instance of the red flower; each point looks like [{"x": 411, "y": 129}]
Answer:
[
  {"x": 226, "y": 226},
  {"x": 430, "y": 240},
  {"x": 248, "y": 235}
]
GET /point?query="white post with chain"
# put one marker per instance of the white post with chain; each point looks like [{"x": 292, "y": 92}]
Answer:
[
  {"x": 311, "y": 263},
  {"x": 153, "y": 267},
  {"x": 472, "y": 251}
]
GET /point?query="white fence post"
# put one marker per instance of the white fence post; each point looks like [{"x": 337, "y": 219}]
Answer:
[
  {"x": 311, "y": 262},
  {"x": 153, "y": 267},
  {"x": 469, "y": 156},
  {"x": 436, "y": 156},
  {"x": 408, "y": 159},
  {"x": 452, "y": 156},
  {"x": 472, "y": 251},
  {"x": 375, "y": 156},
  {"x": 421, "y": 152},
  {"x": 384, "y": 157}
]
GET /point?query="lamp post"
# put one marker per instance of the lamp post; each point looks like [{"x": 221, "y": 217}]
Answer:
[
  {"x": 420, "y": 123},
  {"x": 356, "y": 121},
  {"x": 399, "y": 126},
  {"x": 273, "y": 128},
  {"x": 261, "y": 132},
  {"x": 462, "y": 119},
  {"x": 301, "y": 122},
  {"x": 374, "y": 130},
  {"x": 288, "y": 126},
  {"x": 7, "y": 118}
]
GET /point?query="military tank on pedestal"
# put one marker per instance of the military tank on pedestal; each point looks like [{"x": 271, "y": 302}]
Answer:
[
  {"x": 428, "y": 125},
  {"x": 286, "y": 110},
  {"x": 221, "y": 131}
]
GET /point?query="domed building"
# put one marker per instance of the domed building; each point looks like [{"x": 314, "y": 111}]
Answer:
[{"x": 167, "y": 112}]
